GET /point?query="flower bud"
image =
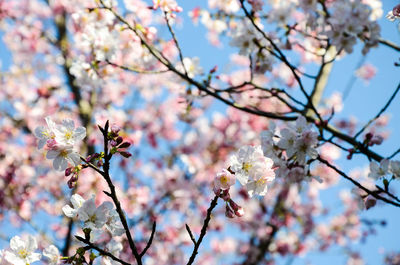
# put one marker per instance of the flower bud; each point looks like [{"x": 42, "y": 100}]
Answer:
[
  {"x": 113, "y": 143},
  {"x": 115, "y": 129},
  {"x": 119, "y": 140},
  {"x": 228, "y": 212},
  {"x": 125, "y": 154},
  {"x": 239, "y": 212},
  {"x": 124, "y": 145},
  {"x": 370, "y": 202},
  {"x": 225, "y": 195},
  {"x": 234, "y": 205},
  {"x": 68, "y": 171}
]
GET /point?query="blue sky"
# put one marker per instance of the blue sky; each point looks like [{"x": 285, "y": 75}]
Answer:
[{"x": 363, "y": 102}]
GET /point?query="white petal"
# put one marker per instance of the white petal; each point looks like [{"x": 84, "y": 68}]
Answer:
[
  {"x": 243, "y": 179},
  {"x": 31, "y": 244},
  {"x": 79, "y": 133},
  {"x": 77, "y": 201},
  {"x": 33, "y": 257},
  {"x": 13, "y": 259},
  {"x": 41, "y": 143},
  {"x": 74, "y": 158},
  {"x": 60, "y": 163},
  {"x": 51, "y": 154},
  {"x": 51, "y": 124},
  {"x": 68, "y": 124},
  {"x": 68, "y": 211},
  {"x": 17, "y": 243},
  {"x": 38, "y": 132}
]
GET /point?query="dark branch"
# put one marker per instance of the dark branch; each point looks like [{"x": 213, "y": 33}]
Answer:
[
  {"x": 153, "y": 231},
  {"x": 203, "y": 230}
]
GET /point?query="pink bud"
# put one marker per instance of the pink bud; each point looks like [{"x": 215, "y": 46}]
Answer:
[
  {"x": 396, "y": 10},
  {"x": 115, "y": 129},
  {"x": 216, "y": 191},
  {"x": 68, "y": 171},
  {"x": 239, "y": 212},
  {"x": 377, "y": 139},
  {"x": 51, "y": 144},
  {"x": 370, "y": 202},
  {"x": 228, "y": 212},
  {"x": 214, "y": 69},
  {"x": 234, "y": 205},
  {"x": 225, "y": 195}
]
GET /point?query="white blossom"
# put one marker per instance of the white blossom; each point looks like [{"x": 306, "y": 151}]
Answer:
[
  {"x": 92, "y": 216},
  {"x": 67, "y": 134},
  {"x": 77, "y": 202},
  {"x": 378, "y": 171},
  {"x": 192, "y": 66},
  {"x": 224, "y": 180},
  {"x": 113, "y": 223},
  {"x": 52, "y": 253},
  {"x": 22, "y": 251},
  {"x": 45, "y": 133},
  {"x": 252, "y": 169},
  {"x": 63, "y": 155},
  {"x": 394, "y": 168}
]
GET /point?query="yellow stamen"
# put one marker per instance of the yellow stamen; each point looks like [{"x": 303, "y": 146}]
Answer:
[
  {"x": 64, "y": 153},
  {"x": 23, "y": 253},
  {"x": 247, "y": 166},
  {"x": 224, "y": 180},
  {"x": 68, "y": 135}
]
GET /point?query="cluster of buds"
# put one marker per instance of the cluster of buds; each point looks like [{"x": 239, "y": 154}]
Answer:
[
  {"x": 370, "y": 139},
  {"x": 96, "y": 158},
  {"x": 222, "y": 183},
  {"x": 117, "y": 143},
  {"x": 74, "y": 173}
]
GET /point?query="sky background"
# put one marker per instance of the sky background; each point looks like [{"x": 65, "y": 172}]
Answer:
[{"x": 363, "y": 102}]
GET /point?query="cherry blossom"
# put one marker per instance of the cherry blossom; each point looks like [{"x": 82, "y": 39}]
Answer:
[
  {"x": 53, "y": 254},
  {"x": 22, "y": 251}
]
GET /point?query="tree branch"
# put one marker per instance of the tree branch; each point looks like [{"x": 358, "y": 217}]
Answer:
[{"x": 203, "y": 230}]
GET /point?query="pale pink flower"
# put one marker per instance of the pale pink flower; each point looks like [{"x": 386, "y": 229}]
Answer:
[{"x": 224, "y": 180}]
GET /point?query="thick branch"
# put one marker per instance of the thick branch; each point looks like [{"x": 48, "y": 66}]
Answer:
[{"x": 322, "y": 77}]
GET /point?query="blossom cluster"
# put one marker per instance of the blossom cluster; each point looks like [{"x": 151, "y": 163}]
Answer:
[
  {"x": 93, "y": 217},
  {"x": 255, "y": 166},
  {"x": 59, "y": 140},
  {"x": 384, "y": 168},
  {"x": 363, "y": 25},
  {"x": 22, "y": 252},
  {"x": 251, "y": 168},
  {"x": 291, "y": 149},
  {"x": 250, "y": 41}
]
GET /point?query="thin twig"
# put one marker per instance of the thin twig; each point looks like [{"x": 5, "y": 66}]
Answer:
[
  {"x": 176, "y": 42},
  {"x": 374, "y": 194},
  {"x": 380, "y": 112},
  {"x": 203, "y": 230},
  {"x": 190, "y": 234},
  {"x": 136, "y": 70},
  {"x": 114, "y": 197},
  {"x": 101, "y": 251},
  {"x": 153, "y": 231}
]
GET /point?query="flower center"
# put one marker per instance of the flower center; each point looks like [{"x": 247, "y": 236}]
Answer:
[
  {"x": 247, "y": 167},
  {"x": 224, "y": 180},
  {"x": 23, "y": 253},
  {"x": 68, "y": 135},
  {"x": 64, "y": 153}
]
